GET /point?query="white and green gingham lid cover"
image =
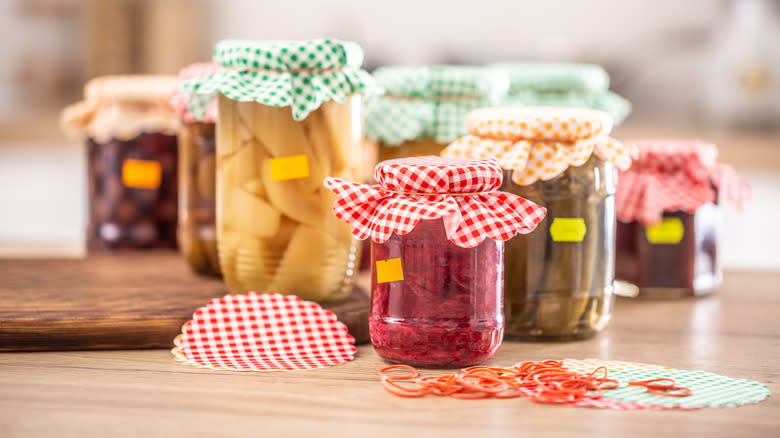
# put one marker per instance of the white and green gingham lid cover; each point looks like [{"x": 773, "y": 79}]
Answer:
[
  {"x": 430, "y": 101},
  {"x": 300, "y": 74},
  {"x": 555, "y": 76}
]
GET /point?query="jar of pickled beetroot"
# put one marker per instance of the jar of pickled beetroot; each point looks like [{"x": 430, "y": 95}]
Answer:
[
  {"x": 669, "y": 218},
  {"x": 559, "y": 279},
  {"x": 197, "y": 234},
  {"x": 288, "y": 116},
  {"x": 130, "y": 131},
  {"x": 437, "y": 228},
  {"x": 423, "y": 107}
]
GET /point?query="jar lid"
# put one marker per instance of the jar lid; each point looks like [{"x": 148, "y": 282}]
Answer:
[
  {"x": 122, "y": 107},
  {"x": 301, "y": 75},
  {"x": 552, "y": 76},
  {"x": 430, "y": 101},
  {"x": 137, "y": 88},
  {"x": 180, "y": 97},
  {"x": 460, "y": 192},
  {"x": 540, "y": 143},
  {"x": 614, "y": 105},
  {"x": 672, "y": 175}
]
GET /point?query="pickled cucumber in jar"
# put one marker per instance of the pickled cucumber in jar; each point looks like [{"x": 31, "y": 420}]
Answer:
[{"x": 558, "y": 281}]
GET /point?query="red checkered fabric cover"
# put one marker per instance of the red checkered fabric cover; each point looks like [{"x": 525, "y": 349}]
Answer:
[
  {"x": 263, "y": 332},
  {"x": 672, "y": 175},
  {"x": 178, "y": 99},
  {"x": 461, "y": 192}
]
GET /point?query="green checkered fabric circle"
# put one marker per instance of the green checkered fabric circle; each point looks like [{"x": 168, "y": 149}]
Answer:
[
  {"x": 300, "y": 74},
  {"x": 563, "y": 84},
  {"x": 430, "y": 101},
  {"x": 709, "y": 390}
]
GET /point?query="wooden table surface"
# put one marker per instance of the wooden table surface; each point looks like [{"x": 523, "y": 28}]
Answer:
[{"x": 146, "y": 393}]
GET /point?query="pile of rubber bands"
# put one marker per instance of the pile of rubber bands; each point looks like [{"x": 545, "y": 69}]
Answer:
[{"x": 545, "y": 381}]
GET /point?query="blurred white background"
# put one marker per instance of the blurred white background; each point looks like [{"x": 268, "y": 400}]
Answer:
[{"x": 695, "y": 68}]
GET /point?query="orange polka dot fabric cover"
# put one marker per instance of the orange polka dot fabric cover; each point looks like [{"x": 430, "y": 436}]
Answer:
[{"x": 540, "y": 143}]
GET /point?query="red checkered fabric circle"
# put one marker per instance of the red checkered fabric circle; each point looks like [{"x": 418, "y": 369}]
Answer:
[
  {"x": 461, "y": 192},
  {"x": 263, "y": 332},
  {"x": 672, "y": 175},
  {"x": 178, "y": 99}
]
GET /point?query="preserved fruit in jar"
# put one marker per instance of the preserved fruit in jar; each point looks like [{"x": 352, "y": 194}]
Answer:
[
  {"x": 670, "y": 218},
  {"x": 130, "y": 132},
  {"x": 197, "y": 232},
  {"x": 288, "y": 116}
]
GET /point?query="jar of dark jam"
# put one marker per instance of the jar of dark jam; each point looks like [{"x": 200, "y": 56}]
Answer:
[
  {"x": 669, "y": 218},
  {"x": 130, "y": 132},
  {"x": 558, "y": 280},
  {"x": 437, "y": 228}
]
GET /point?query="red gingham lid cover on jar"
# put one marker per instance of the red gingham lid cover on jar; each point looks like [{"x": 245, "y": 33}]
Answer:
[
  {"x": 672, "y": 175},
  {"x": 461, "y": 192},
  {"x": 180, "y": 97}
]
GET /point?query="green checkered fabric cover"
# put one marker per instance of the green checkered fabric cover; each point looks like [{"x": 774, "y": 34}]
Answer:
[
  {"x": 430, "y": 101},
  {"x": 709, "y": 390},
  {"x": 563, "y": 84},
  {"x": 286, "y": 81}
]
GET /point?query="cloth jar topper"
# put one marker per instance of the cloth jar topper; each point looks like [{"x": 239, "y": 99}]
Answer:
[
  {"x": 672, "y": 175},
  {"x": 540, "y": 143},
  {"x": 461, "y": 192}
]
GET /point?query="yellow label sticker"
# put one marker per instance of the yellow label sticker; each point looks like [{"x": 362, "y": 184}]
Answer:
[
  {"x": 292, "y": 167},
  {"x": 669, "y": 231},
  {"x": 568, "y": 229},
  {"x": 141, "y": 174},
  {"x": 389, "y": 270}
]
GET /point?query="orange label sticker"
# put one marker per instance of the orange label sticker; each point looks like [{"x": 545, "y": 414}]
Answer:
[
  {"x": 141, "y": 174},
  {"x": 389, "y": 270},
  {"x": 292, "y": 167}
]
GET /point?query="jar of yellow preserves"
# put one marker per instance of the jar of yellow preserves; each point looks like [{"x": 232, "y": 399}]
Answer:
[
  {"x": 197, "y": 234},
  {"x": 288, "y": 116}
]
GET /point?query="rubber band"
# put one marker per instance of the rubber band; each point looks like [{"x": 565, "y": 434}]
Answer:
[
  {"x": 546, "y": 381},
  {"x": 414, "y": 372}
]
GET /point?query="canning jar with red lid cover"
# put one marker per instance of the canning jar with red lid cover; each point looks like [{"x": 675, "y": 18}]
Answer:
[
  {"x": 669, "y": 217},
  {"x": 437, "y": 228}
]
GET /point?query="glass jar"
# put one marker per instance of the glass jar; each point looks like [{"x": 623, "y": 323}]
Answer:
[
  {"x": 130, "y": 132},
  {"x": 411, "y": 148},
  {"x": 447, "y": 312},
  {"x": 558, "y": 281},
  {"x": 275, "y": 229},
  {"x": 674, "y": 258},
  {"x": 197, "y": 197}
]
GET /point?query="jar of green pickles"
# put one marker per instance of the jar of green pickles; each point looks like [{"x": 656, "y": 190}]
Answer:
[
  {"x": 197, "y": 233},
  {"x": 563, "y": 84},
  {"x": 288, "y": 116},
  {"x": 424, "y": 107},
  {"x": 558, "y": 281}
]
